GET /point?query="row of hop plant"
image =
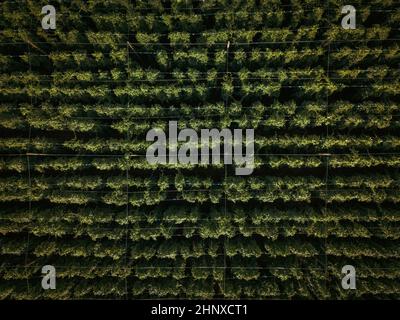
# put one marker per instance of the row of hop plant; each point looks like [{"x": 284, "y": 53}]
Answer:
[
  {"x": 20, "y": 165},
  {"x": 205, "y": 267},
  {"x": 168, "y": 287},
  {"x": 198, "y": 58},
  {"x": 213, "y": 196},
  {"x": 154, "y": 76},
  {"x": 265, "y": 82},
  {"x": 275, "y": 122},
  {"x": 194, "y": 58},
  {"x": 198, "y": 93},
  {"x": 235, "y": 109},
  {"x": 124, "y": 21},
  {"x": 205, "y": 229},
  {"x": 312, "y": 143},
  {"x": 114, "y": 40},
  {"x": 243, "y": 269},
  {"x": 100, "y": 216},
  {"x": 172, "y": 248},
  {"x": 184, "y": 182}
]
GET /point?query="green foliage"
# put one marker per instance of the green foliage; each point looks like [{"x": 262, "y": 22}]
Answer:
[{"x": 76, "y": 190}]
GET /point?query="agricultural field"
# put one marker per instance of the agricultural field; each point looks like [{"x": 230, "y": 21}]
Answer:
[{"x": 76, "y": 189}]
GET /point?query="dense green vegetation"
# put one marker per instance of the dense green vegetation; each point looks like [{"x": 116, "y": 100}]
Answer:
[{"x": 77, "y": 192}]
